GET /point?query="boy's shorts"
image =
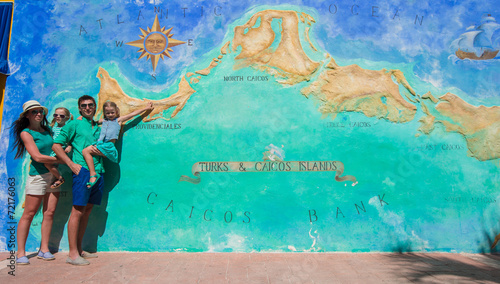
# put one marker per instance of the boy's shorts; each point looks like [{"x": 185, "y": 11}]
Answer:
[{"x": 83, "y": 195}]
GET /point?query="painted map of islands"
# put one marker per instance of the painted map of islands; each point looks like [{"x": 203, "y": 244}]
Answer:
[{"x": 336, "y": 88}]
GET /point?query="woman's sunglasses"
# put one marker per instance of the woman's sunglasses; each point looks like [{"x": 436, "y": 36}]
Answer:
[
  {"x": 37, "y": 111},
  {"x": 59, "y": 115}
]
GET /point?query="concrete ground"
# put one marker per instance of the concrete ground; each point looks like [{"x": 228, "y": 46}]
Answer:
[{"x": 260, "y": 268}]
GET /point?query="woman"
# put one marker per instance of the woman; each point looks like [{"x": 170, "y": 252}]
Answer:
[{"x": 31, "y": 133}]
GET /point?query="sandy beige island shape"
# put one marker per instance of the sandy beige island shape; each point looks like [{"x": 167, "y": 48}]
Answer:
[
  {"x": 339, "y": 89},
  {"x": 111, "y": 91},
  {"x": 287, "y": 61},
  {"x": 352, "y": 88},
  {"x": 375, "y": 93},
  {"x": 480, "y": 125}
]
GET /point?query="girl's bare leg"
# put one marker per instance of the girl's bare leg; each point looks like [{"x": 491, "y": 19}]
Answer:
[
  {"x": 90, "y": 162},
  {"x": 87, "y": 155},
  {"x": 55, "y": 172}
]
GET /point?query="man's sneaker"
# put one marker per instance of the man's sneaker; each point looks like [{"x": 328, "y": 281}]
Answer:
[
  {"x": 78, "y": 261},
  {"x": 45, "y": 255},
  {"x": 86, "y": 255}
]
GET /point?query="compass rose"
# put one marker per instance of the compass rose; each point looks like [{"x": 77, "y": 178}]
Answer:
[{"x": 155, "y": 43}]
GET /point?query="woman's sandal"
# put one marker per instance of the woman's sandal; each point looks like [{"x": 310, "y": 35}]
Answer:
[
  {"x": 57, "y": 183},
  {"x": 91, "y": 184}
]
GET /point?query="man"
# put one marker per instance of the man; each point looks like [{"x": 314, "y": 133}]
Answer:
[{"x": 80, "y": 134}]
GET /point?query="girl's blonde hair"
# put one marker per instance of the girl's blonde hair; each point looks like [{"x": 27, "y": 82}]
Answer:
[
  {"x": 66, "y": 111},
  {"x": 110, "y": 104}
]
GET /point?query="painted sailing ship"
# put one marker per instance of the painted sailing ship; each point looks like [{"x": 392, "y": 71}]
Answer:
[{"x": 477, "y": 42}]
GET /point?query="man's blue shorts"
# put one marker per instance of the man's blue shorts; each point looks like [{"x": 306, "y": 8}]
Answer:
[{"x": 83, "y": 195}]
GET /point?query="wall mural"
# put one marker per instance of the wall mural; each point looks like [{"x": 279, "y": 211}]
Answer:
[{"x": 318, "y": 126}]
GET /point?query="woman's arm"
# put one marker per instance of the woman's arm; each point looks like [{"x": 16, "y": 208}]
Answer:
[
  {"x": 32, "y": 149},
  {"x": 124, "y": 118}
]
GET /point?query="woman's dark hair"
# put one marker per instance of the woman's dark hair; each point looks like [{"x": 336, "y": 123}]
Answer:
[{"x": 17, "y": 127}]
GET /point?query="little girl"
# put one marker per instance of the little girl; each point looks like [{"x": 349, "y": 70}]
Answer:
[
  {"x": 110, "y": 131},
  {"x": 61, "y": 116}
]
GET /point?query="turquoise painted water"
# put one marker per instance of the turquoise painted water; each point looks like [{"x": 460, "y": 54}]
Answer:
[{"x": 413, "y": 194}]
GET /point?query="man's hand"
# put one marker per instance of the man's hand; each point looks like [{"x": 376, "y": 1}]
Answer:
[
  {"x": 75, "y": 168},
  {"x": 68, "y": 149}
]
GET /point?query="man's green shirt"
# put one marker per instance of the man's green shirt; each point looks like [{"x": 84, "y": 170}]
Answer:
[{"x": 80, "y": 134}]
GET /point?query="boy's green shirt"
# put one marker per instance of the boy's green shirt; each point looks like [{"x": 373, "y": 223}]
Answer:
[{"x": 80, "y": 134}]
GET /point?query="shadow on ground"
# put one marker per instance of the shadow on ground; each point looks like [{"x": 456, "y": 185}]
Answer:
[
  {"x": 99, "y": 216},
  {"x": 427, "y": 268}
]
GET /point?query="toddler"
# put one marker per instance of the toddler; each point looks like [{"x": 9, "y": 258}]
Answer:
[{"x": 110, "y": 130}]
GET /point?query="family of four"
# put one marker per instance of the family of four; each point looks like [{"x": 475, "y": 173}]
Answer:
[{"x": 88, "y": 143}]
